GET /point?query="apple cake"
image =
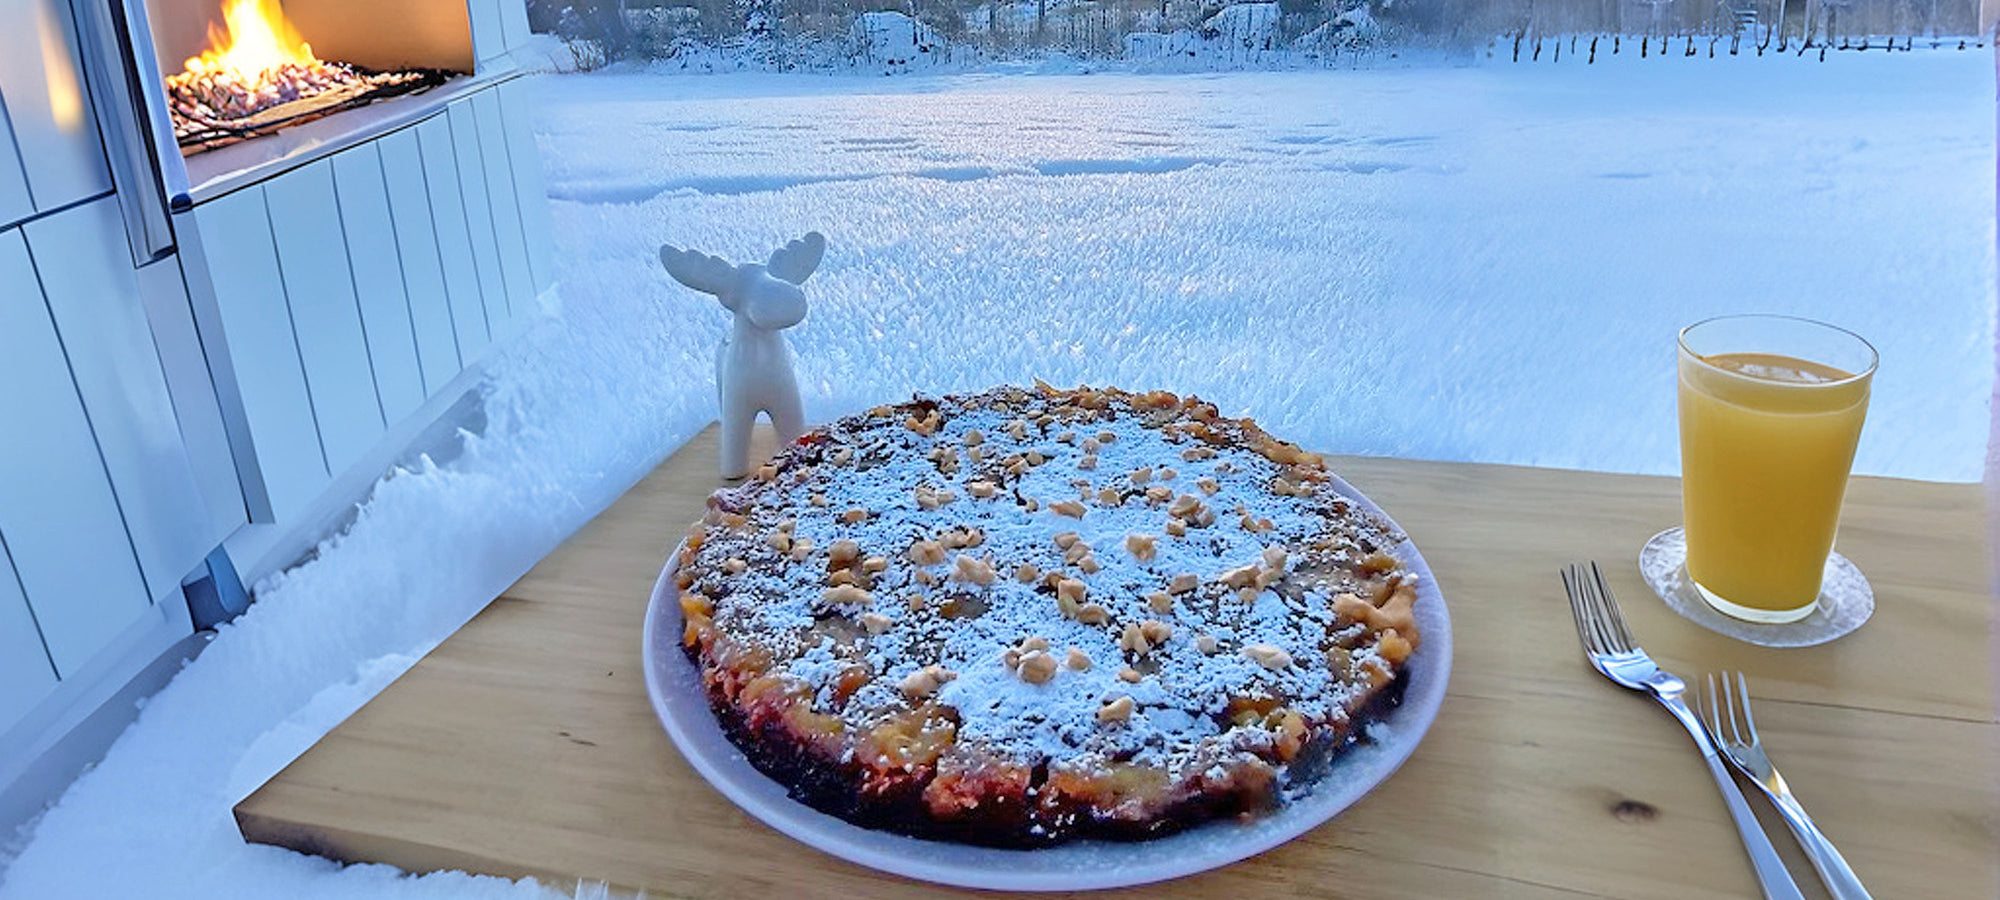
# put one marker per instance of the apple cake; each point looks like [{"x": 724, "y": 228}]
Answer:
[{"x": 1030, "y": 615}]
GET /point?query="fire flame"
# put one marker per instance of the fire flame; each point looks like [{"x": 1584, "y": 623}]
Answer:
[{"x": 260, "y": 39}]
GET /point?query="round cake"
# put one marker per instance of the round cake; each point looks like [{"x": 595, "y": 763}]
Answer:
[{"x": 1029, "y": 615}]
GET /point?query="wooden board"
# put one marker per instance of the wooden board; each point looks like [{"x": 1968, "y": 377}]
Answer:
[{"x": 525, "y": 745}]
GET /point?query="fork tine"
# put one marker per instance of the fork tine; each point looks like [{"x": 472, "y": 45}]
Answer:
[
  {"x": 1577, "y": 612},
  {"x": 1714, "y": 709},
  {"x": 1593, "y": 602},
  {"x": 1749, "y": 721},
  {"x": 1729, "y": 699},
  {"x": 1613, "y": 617}
]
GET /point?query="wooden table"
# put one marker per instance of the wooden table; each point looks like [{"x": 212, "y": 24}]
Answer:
[{"x": 525, "y": 746}]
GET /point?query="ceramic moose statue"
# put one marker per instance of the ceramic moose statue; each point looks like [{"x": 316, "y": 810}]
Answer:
[{"x": 753, "y": 367}]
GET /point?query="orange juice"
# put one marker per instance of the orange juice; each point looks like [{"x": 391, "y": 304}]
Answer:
[{"x": 1766, "y": 444}]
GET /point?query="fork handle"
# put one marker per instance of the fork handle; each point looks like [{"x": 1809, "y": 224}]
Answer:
[
  {"x": 1772, "y": 875},
  {"x": 1840, "y": 880}
]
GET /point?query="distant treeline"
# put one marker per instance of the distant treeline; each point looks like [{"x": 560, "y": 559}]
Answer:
[{"x": 601, "y": 30}]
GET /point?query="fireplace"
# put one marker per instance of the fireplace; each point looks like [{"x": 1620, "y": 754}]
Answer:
[{"x": 349, "y": 257}]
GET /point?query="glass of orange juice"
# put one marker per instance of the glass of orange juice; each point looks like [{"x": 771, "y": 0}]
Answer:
[{"x": 1770, "y": 413}]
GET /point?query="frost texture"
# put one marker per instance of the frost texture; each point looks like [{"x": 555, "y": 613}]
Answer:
[{"x": 1468, "y": 264}]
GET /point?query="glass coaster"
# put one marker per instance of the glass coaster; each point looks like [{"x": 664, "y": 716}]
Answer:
[{"x": 1845, "y": 599}]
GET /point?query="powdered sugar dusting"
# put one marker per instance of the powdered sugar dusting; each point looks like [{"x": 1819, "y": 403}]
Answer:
[{"x": 902, "y": 476}]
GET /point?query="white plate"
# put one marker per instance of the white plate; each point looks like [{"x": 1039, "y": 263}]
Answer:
[{"x": 675, "y": 687}]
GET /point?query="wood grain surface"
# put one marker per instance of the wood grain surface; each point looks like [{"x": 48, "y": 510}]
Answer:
[{"x": 525, "y": 745}]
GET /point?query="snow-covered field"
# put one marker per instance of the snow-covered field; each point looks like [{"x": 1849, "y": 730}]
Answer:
[{"x": 1484, "y": 263}]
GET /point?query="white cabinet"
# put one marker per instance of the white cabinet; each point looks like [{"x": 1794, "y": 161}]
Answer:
[
  {"x": 93, "y": 294},
  {"x": 62, "y": 526},
  {"x": 423, "y": 268},
  {"x": 47, "y": 106},
  {"x": 378, "y": 280}
]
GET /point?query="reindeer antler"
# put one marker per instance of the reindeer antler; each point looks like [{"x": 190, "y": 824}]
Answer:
[
  {"x": 708, "y": 274},
  {"x": 797, "y": 260}
]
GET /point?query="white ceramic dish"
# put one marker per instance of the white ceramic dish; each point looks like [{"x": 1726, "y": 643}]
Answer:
[{"x": 675, "y": 687}]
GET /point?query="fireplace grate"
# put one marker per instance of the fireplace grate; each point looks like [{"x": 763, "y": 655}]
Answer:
[{"x": 217, "y": 111}]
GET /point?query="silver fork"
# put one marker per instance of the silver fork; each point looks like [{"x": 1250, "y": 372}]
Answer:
[
  {"x": 1611, "y": 651},
  {"x": 1742, "y": 748}
]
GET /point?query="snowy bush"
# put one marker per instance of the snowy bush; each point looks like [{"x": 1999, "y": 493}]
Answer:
[{"x": 893, "y": 39}]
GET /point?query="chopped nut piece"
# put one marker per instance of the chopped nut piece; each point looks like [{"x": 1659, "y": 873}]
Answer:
[
  {"x": 1248, "y": 594},
  {"x": 1274, "y": 558},
  {"x": 974, "y": 438},
  {"x": 1091, "y": 445},
  {"x": 1268, "y": 656},
  {"x": 1089, "y": 565},
  {"x": 1118, "y": 709},
  {"x": 925, "y": 681},
  {"x": 1037, "y": 667},
  {"x": 819, "y": 500},
  {"x": 854, "y": 516},
  {"x": 767, "y": 472},
  {"x": 847, "y": 595},
  {"x": 875, "y": 622},
  {"x": 843, "y": 455},
  {"x": 1088, "y": 462},
  {"x": 1069, "y": 508},
  {"x": 1076, "y": 551},
  {"x": 1066, "y": 437},
  {"x": 971, "y": 570},
  {"x": 1156, "y": 631},
  {"x": 1106, "y": 437},
  {"x": 1141, "y": 546},
  {"x": 1208, "y": 485},
  {"x": 840, "y": 577},
  {"x": 1018, "y": 429},
  {"x": 1133, "y": 639},
  {"x": 914, "y": 601},
  {"x": 1159, "y": 493},
  {"x": 801, "y": 548},
  {"x": 1035, "y": 642},
  {"x": 1067, "y": 539},
  {"x": 981, "y": 489},
  {"x": 1160, "y": 602},
  {"x": 927, "y": 553},
  {"x": 1184, "y": 506},
  {"x": 779, "y": 541},
  {"x": 1026, "y": 573},
  {"x": 734, "y": 566},
  {"x": 1093, "y": 614},
  {"x": 1129, "y": 675},
  {"x": 1168, "y": 474},
  {"x": 1197, "y": 454},
  {"x": 1035, "y": 458},
  {"x": 1241, "y": 576},
  {"x": 1182, "y": 584},
  {"x": 1176, "y": 528},
  {"x": 1072, "y": 590},
  {"x": 1110, "y": 497},
  {"x": 1142, "y": 474},
  {"x": 1077, "y": 660},
  {"x": 1206, "y": 644},
  {"x": 843, "y": 552}
]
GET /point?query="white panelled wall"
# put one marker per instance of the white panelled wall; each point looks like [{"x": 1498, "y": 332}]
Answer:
[{"x": 216, "y": 402}]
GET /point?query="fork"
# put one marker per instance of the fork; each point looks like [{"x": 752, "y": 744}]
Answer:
[
  {"x": 1609, "y": 647},
  {"x": 1743, "y": 750}
]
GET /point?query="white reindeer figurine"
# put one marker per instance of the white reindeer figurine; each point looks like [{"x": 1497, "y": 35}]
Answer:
[{"x": 753, "y": 368}]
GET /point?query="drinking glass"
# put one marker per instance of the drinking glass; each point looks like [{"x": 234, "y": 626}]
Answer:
[{"x": 1770, "y": 412}]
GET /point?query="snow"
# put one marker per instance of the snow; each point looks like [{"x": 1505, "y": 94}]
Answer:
[{"x": 1474, "y": 263}]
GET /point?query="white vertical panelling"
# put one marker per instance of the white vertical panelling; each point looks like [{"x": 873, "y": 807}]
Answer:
[
  {"x": 478, "y": 214},
  {"x": 525, "y": 161},
  {"x": 506, "y": 213},
  {"x": 461, "y": 273},
  {"x": 417, "y": 244},
  {"x": 196, "y": 406},
  {"x": 514, "y": 22},
  {"x": 93, "y": 292},
  {"x": 47, "y": 105},
  {"x": 378, "y": 279},
  {"x": 489, "y": 31},
  {"x": 26, "y": 674},
  {"x": 56, "y": 505},
  {"x": 305, "y": 224},
  {"x": 14, "y": 202},
  {"x": 263, "y": 353}
]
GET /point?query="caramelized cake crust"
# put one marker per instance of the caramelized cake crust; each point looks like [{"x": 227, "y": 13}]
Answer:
[{"x": 1024, "y": 616}]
